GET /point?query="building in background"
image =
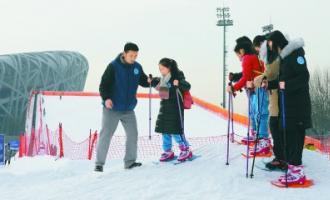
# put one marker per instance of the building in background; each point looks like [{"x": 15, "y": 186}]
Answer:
[{"x": 25, "y": 72}]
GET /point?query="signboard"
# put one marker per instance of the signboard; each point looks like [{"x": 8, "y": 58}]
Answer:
[{"x": 14, "y": 145}]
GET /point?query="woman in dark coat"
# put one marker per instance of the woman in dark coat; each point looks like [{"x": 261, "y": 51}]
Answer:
[
  {"x": 294, "y": 82},
  {"x": 168, "y": 122}
]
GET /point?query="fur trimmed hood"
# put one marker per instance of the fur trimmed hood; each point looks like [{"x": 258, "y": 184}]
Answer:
[{"x": 292, "y": 46}]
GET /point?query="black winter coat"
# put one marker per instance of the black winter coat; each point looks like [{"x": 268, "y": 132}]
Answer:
[
  {"x": 294, "y": 72},
  {"x": 168, "y": 120}
]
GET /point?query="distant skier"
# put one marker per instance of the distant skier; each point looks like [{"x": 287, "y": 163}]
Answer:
[
  {"x": 252, "y": 67},
  {"x": 118, "y": 89},
  {"x": 168, "y": 121},
  {"x": 8, "y": 154},
  {"x": 294, "y": 81}
]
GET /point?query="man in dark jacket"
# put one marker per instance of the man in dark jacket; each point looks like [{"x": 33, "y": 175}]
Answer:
[
  {"x": 294, "y": 84},
  {"x": 118, "y": 89}
]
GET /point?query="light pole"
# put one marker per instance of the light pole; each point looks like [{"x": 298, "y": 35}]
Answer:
[
  {"x": 223, "y": 20},
  {"x": 268, "y": 28}
]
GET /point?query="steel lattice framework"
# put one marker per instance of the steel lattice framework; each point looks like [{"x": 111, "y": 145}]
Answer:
[{"x": 24, "y": 72}]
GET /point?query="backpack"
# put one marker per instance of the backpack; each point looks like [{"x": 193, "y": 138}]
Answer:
[{"x": 187, "y": 100}]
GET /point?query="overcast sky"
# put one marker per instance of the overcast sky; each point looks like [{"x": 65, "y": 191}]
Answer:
[{"x": 181, "y": 29}]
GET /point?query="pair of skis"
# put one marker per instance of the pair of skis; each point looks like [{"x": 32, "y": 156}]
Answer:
[{"x": 174, "y": 161}]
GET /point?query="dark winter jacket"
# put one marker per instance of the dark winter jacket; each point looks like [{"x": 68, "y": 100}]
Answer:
[
  {"x": 8, "y": 152},
  {"x": 120, "y": 82},
  {"x": 294, "y": 72},
  {"x": 168, "y": 120}
]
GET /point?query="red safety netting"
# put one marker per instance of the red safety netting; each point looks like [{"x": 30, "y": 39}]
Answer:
[
  {"x": 42, "y": 141},
  {"x": 61, "y": 145}
]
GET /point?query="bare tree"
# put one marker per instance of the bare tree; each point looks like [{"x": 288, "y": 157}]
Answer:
[{"x": 320, "y": 98}]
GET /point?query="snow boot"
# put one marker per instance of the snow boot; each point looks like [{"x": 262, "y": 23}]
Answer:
[
  {"x": 135, "y": 164},
  {"x": 251, "y": 139},
  {"x": 276, "y": 164},
  {"x": 185, "y": 153},
  {"x": 295, "y": 176},
  {"x": 263, "y": 148},
  {"x": 98, "y": 168},
  {"x": 167, "y": 156}
]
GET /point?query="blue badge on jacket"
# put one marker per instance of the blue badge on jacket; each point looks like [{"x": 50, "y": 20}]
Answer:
[
  {"x": 169, "y": 85},
  {"x": 136, "y": 71},
  {"x": 300, "y": 60}
]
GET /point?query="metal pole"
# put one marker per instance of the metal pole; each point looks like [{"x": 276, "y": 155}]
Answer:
[
  {"x": 224, "y": 65},
  {"x": 223, "y": 16}
]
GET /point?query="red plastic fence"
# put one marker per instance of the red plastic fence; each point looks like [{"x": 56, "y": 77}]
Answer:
[
  {"x": 91, "y": 144},
  {"x": 59, "y": 144},
  {"x": 63, "y": 146},
  {"x": 146, "y": 148},
  {"x": 67, "y": 148}
]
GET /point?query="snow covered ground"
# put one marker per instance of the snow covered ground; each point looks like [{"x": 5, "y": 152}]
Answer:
[
  {"x": 207, "y": 177},
  {"x": 204, "y": 178}
]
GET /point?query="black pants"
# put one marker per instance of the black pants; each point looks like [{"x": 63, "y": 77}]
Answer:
[
  {"x": 274, "y": 127},
  {"x": 7, "y": 161},
  {"x": 295, "y": 139}
]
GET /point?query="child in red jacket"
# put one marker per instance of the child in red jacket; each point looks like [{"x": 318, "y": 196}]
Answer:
[{"x": 252, "y": 67}]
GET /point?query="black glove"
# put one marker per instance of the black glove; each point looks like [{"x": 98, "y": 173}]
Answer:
[
  {"x": 234, "y": 77},
  {"x": 272, "y": 85},
  {"x": 231, "y": 76}
]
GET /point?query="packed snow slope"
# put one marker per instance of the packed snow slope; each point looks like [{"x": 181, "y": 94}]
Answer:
[{"x": 207, "y": 177}]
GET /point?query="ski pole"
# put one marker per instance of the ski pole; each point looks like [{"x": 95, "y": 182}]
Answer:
[
  {"x": 228, "y": 128},
  {"x": 282, "y": 92},
  {"x": 180, "y": 114},
  {"x": 180, "y": 111},
  {"x": 249, "y": 89},
  {"x": 230, "y": 120},
  {"x": 258, "y": 129},
  {"x": 150, "y": 90}
]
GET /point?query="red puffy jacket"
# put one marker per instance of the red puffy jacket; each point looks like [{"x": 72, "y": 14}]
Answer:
[{"x": 252, "y": 67}]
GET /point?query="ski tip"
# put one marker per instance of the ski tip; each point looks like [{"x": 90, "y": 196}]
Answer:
[
  {"x": 308, "y": 183},
  {"x": 251, "y": 144},
  {"x": 258, "y": 156},
  {"x": 189, "y": 159},
  {"x": 165, "y": 161}
]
